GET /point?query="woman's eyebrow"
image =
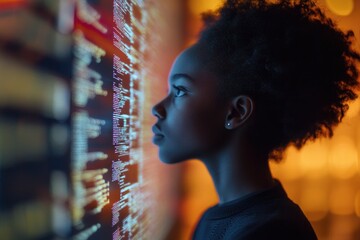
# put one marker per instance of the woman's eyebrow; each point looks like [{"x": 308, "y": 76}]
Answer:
[{"x": 181, "y": 75}]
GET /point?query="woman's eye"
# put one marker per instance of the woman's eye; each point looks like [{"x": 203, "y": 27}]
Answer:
[{"x": 179, "y": 92}]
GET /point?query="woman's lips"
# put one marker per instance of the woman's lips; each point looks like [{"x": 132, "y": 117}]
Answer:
[
  {"x": 156, "y": 130},
  {"x": 158, "y": 136}
]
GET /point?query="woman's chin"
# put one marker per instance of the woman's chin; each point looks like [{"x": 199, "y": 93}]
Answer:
[{"x": 171, "y": 159}]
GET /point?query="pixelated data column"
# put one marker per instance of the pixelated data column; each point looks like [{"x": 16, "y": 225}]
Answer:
[
  {"x": 91, "y": 189},
  {"x": 128, "y": 35}
]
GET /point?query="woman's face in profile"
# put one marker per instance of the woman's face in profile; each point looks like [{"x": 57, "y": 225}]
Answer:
[{"x": 190, "y": 117}]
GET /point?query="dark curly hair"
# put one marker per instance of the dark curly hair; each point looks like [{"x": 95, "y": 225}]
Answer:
[{"x": 292, "y": 60}]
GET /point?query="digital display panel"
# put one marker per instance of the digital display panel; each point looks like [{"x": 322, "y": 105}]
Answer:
[
  {"x": 35, "y": 76},
  {"x": 117, "y": 178},
  {"x": 78, "y": 81}
]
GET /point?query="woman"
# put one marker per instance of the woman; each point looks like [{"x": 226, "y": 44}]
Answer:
[{"x": 261, "y": 77}]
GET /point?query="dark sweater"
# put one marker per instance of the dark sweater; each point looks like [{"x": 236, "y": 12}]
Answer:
[{"x": 267, "y": 214}]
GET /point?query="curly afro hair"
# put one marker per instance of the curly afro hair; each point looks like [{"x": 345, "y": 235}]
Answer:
[{"x": 293, "y": 61}]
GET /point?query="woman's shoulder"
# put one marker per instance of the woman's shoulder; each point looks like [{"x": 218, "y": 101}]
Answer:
[
  {"x": 274, "y": 219},
  {"x": 267, "y": 214},
  {"x": 273, "y": 229}
]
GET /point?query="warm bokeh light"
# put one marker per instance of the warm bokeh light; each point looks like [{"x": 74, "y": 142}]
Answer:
[
  {"x": 357, "y": 137},
  {"x": 194, "y": 23},
  {"x": 341, "y": 199},
  {"x": 341, "y": 7},
  {"x": 357, "y": 203},
  {"x": 289, "y": 168},
  {"x": 343, "y": 158},
  {"x": 198, "y": 6},
  {"x": 313, "y": 159},
  {"x": 314, "y": 201},
  {"x": 11, "y": 4},
  {"x": 354, "y": 109}
]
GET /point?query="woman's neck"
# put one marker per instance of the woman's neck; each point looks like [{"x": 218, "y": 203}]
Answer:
[{"x": 236, "y": 174}]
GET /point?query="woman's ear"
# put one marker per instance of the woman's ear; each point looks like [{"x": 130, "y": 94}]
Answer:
[{"x": 240, "y": 109}]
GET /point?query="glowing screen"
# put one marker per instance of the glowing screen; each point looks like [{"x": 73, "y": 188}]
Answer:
[
  {"x": 78, "y": 80},
  {"x": 115, "y": 185}
]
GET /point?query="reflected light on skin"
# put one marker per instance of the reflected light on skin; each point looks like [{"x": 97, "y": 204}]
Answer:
[
  {"x": 341, "y": 7},
  {"x": 343, "y": 158},
  {"x": 341, "y": 200},
  {"x": 313, "y": 160}
]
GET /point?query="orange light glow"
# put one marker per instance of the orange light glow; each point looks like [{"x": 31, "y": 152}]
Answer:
[
  {"x": 290, "y": 168},
  {"x": 341, "y": 200},
  {"x": 313, "y": 159},
  {"x": 314, "y": 201},
  {"x": 8, "y": 4},
  {"x": 357, "y": 204},
  {"x": 343, "y": 158},
  {"x": 341, "y": 7},
  {"x": 199, "y": 6},
  {"x": 354, "y": 109}
]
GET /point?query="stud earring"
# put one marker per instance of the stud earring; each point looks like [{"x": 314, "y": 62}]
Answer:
[{"x": 228, "y": 124}]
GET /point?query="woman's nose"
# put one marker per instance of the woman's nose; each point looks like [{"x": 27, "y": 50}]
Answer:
[{"x": 158, "y": 110}]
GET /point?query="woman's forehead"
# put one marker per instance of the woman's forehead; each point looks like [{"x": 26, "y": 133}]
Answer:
[{"x": 191, "y": 63}]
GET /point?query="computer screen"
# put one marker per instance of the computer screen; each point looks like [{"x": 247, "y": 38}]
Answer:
[
  {"x": 115, "y": 172},
  {"x": 78, "y": 80}
]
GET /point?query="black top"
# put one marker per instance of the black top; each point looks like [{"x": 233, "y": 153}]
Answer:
[{"x": 266, "y": 214}]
